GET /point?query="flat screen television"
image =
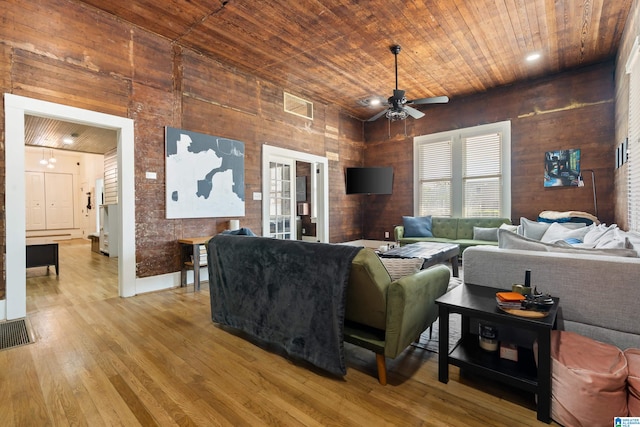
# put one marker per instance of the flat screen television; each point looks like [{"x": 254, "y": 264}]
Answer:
[{"x": 373, "y": 180}]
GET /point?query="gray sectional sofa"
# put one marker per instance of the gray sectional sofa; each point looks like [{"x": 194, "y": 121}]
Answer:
[{"x": 599, "y": 294}]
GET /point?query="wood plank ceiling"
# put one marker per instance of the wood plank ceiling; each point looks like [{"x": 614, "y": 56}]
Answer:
[{"x": 338, "y": 51}]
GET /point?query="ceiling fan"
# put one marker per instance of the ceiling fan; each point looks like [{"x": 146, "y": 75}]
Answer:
[{"x": 399, "y": 108}]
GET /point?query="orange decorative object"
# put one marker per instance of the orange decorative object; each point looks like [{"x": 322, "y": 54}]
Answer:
[{"x": 510, "y": 296}]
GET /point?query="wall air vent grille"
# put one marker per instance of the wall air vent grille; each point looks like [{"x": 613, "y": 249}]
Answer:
[{"x": 298, "y": 106}]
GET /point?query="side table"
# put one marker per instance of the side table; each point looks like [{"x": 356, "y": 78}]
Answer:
[
  {"x": 191, "y": 247},
  {"x": 479, "y": 302}
]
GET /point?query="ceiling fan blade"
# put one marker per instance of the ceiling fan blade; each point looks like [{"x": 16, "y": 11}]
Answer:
[
  {"x": 433, "y": 100},
  {"x": 377, "y": 116},
  {"x": 413, "y": 112}
]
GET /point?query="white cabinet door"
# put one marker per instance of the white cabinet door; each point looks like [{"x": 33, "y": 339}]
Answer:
[
  {"x": 35, "y": 201},
  {"x": 59, "y": 194}
]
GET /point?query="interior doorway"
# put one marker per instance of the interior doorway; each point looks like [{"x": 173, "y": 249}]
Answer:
[
  {"x": 279, "y": 208},
  {"x": 16, "y": 107}
]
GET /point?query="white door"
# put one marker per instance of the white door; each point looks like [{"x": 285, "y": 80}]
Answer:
[
  {"x": 35, "y": 201},
  {"x": 59, "y": 195},
  {"x": 282, "y": 223},
  {"x": 319, "y": 191}
]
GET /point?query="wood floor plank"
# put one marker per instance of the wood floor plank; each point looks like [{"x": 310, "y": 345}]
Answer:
[{"x": 157, "y": 359}]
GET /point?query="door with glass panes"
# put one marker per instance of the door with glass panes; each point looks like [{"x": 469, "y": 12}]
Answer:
[{"x": 282, "y": 223}]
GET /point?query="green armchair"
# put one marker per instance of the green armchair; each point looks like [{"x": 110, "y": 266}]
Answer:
[{"x": 386, "y": 316}]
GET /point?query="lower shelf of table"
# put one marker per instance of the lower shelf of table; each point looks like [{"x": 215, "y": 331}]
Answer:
[{"x": 523, "y": 374}]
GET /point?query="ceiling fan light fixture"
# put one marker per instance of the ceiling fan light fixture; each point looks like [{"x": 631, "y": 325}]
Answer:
[
  {"x": 399, "y": 108},
  {"x": 394, "y": 115}
]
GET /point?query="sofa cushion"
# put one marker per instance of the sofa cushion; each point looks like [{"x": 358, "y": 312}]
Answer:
[
  {"x": 633, "y": 380},
  {"x": 401, "y": 267},
  {"x": 445, "y": 228},
  {"x": 417, "y": 226},
  {"x": 557, "y": 232},
  {"x": 485, "y": 233},
  {"x": 367, "y": 290}
]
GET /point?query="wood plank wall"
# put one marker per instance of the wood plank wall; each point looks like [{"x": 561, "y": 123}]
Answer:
[
  {"x": 72, "y": 54},
  {"x": 570, "y": 110},
  {"x": 65, "y": 52}
]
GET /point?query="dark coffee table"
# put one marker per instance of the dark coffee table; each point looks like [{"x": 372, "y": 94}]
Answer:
[
  {"x": 479, "y": 302},
  {"x": 431, "y": 252}
]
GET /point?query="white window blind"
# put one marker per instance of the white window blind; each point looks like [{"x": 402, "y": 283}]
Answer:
[
  {"x": 464, "y": 173},
  {"x": 633, "y": 150},
  {"x": 434, "y": 178},
  {"x": 482, "y": 175}
]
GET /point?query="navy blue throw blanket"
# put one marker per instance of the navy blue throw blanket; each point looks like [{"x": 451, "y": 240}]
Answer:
[{"x": 286, "y": 292}]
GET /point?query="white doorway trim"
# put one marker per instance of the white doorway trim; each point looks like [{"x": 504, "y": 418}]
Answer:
[
  {"x": 319, "y": 186},
  {"x": 15, "y": 108}
]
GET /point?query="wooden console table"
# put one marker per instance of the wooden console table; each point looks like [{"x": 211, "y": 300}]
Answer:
[{"x": 191, "y": 247}]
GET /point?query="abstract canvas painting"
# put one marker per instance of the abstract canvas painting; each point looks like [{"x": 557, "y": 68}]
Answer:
[
  {"x": 561, "y": 167},
  {"x": 204, "y": 175}
]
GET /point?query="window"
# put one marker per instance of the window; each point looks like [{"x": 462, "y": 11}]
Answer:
[
  {"x": 633, "y": 150},
  {"x": 464, "y": 173}
]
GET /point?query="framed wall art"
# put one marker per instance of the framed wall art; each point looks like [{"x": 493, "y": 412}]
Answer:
[
  {"x": 204, "y": 175},
  {"x": 562, "y": 168}
]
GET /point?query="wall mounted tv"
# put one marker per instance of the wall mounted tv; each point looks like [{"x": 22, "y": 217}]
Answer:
[{"x": 373, "y": 180}]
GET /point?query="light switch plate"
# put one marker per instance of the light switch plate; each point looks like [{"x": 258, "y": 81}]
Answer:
[{"x": 257, "y": 196}]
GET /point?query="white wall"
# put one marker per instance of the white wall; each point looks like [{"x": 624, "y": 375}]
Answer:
[{"x": 85, "y": 169}]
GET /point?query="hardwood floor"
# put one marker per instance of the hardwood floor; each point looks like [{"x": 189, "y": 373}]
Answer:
[{"x": 157, "y": 359}]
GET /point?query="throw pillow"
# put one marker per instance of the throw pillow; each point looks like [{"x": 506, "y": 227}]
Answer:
[
  {"x": 417, "y": 226},
  {"x": 557, "y": 231},
  {"x": 401, "y": 267},
  {"x": 533, "y": 229},
  {"x": 485, "y": 233},
  {"x": 509, "y": 240},
  {"x": 598, "y": 232},
  {"x": 509, "y": 227}
]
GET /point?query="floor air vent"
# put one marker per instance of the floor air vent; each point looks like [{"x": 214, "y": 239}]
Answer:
[{"x": 14, "y": 334}]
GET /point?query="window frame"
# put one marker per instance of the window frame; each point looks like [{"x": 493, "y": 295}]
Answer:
[{"x": 457, "y": 138}]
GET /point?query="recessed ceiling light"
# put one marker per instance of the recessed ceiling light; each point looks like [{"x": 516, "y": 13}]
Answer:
[
  {"x": 371, "y": 101},
  {"x": 67, "y": 141},
  {"x": 533, "y": 56}
]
